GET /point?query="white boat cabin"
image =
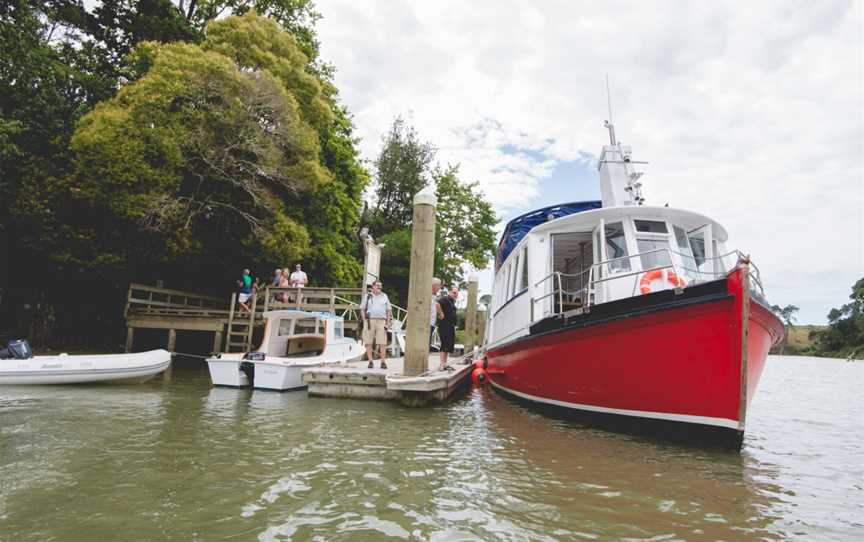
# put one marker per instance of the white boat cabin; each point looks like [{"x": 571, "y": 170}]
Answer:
[
  {"x": 565, "y": 258},
  {"x": 292, "y": 333}
]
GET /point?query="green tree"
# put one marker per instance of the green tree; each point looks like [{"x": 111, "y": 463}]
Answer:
[
  {"x": 298, "y": 17},
  {"x": 845, "y": 333},
  {"x": 466, "y": 223},
  {"x": 788, "y": 314},
  {"x": 402, "y": 169},
  {"x": 464, "y": 219},
  {"x": 331, "y": 211},
  {"x": 196, "y": 157}
]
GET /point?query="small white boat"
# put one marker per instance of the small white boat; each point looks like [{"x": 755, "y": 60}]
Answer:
[
  {"x": 293, "y": 340},
  {"x": 79, "y": 369}
]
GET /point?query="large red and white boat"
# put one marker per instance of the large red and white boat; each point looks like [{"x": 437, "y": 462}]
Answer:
[{"x": 617, "y": 308}]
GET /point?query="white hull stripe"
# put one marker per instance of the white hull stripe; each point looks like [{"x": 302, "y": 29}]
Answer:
[{"x": 704, "y": 420}]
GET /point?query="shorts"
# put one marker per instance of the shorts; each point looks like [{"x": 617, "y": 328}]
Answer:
[
  {"x": 243, "y": 298},
  {"x": 374, "y": 332},
  {"x": 448, "y": 338}
]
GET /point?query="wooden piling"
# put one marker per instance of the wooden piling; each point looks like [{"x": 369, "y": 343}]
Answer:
[
  {"x": 419, "y": 284},
  {"x": 471, "y": 315},
  {"x": 130, "y": 337},
  {"x": 172, "y": 339},
  {"x": 217, "y": 341}
]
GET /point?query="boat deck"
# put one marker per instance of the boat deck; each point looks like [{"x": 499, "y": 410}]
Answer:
[{"x": 356, "y": 380}]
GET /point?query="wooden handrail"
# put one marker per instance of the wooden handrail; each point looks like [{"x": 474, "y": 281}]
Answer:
[{"x": 169, "y": 291}]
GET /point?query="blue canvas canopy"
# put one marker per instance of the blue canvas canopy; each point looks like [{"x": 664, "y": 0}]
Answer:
[{"x": 518, "y": 227}]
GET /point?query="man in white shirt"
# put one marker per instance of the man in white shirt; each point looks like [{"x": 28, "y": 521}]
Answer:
[
  {"x": 298, "y": 278},
  {"x": 377, "y": 315}
]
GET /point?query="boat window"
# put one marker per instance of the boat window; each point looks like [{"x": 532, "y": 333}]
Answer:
[
  {"x": 338, "y": 329},
  {"x": 523, "y": 277},
  {"x": 650, "y": 226},
  {"x": 514, "y": 276},
  {"x": 305, "y": 326},
  {"x": 284, "y": 327},
  {"x": 616, "y": 246},
  {"x": 684, "y": 248},
  {"x": 506, "y": 288},
  {"x": 653, "y": 259},
  {"x": 697, "y": 245}
]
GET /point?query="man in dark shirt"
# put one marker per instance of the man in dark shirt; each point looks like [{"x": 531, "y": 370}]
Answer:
[{"x": 447, "y": 323}]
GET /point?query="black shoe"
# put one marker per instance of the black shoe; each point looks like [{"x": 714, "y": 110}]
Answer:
[
  {"x": 383, "y": 365},
  {"x": 370, "y": 366}
]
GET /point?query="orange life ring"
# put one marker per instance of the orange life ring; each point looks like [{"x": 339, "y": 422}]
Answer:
[{"x": 657, "y": 274}]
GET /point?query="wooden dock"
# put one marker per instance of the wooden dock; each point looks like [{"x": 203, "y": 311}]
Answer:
[
  {"x": 354, "y": 380},
  {"x": 150, "y": 307}
]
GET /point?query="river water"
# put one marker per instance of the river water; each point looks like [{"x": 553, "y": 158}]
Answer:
[{"x": 181, "y": 461}]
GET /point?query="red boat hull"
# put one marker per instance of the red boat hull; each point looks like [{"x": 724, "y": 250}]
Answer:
[{"x": 696, "y": 362}]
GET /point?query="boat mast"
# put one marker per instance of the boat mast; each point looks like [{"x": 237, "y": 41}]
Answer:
[{"x": 619, "y": 182}]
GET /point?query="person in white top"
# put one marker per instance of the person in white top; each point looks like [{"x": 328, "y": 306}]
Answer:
[
  {"x": 433, "y": 309},
  {"x": 298, "y": 278},
  {"x": 377, "y": 317}
]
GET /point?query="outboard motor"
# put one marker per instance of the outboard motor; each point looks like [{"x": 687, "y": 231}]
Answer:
[
  {"x": 17, "y": 349},
  {"x": 248, "y": 368}
]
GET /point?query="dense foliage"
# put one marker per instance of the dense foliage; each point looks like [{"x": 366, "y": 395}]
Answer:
[
  {"x": 464, "y": 219},
  {"x": 844, "y": 335},
  {"x": 144, "y": 140},
  {"x": 788, "y": 314}
]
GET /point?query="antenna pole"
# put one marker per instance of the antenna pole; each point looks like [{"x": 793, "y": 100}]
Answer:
[
  {"x": 609, "y": 99},
  {"x": 608, "y": 124}
]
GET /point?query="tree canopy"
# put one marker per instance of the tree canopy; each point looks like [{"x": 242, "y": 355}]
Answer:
[
  {"x": 142, "y": 141},
  {"x": 844, "y": 335},
  {"x": 465, "y": 221}
]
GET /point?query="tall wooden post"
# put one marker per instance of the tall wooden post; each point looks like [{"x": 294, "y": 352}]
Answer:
[
  {"x": 471, "y": 315},
  {"x": 130, "y": 337},
  {"x": 217, "y": 342},
  {"x": 420, "y": 284},
  {"x": 172, "y": 340},
  {"x": 481, "y": 327}
]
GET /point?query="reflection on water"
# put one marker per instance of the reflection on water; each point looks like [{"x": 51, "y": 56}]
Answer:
[{"x": 181, "y": 461}]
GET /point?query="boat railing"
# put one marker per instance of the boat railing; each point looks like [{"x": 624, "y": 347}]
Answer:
[{"x": 571, "y": 291}]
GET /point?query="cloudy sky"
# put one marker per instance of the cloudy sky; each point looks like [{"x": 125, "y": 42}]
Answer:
[{"x": 752, "y": 114}]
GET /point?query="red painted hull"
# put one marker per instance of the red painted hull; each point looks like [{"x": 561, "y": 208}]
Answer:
[{"x": 697, "y": 364}]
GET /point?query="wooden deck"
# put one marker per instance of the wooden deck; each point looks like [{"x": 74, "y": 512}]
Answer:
[
  {"x": 355, "y": 380},
  {"x": 150, "y": 307}
]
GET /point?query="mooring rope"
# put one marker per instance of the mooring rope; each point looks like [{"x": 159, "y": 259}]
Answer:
[{"x": 189, "y": 355}]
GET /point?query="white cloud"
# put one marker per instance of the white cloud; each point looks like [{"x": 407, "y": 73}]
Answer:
[{"x": 751, "y": 114}]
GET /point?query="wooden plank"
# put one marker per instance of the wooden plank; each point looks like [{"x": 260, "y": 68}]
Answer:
[{"x": 183, "y": 323}]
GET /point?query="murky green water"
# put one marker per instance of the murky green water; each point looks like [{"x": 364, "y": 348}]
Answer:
[{"x": 182, "y": 461}]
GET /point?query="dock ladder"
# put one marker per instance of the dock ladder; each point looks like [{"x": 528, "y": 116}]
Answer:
[{"x": 240, "y": 327}]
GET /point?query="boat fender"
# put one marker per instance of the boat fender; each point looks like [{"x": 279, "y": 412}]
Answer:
[
  {"x": 657, "y": 274},
  {"x": 478, "y": 376}
]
